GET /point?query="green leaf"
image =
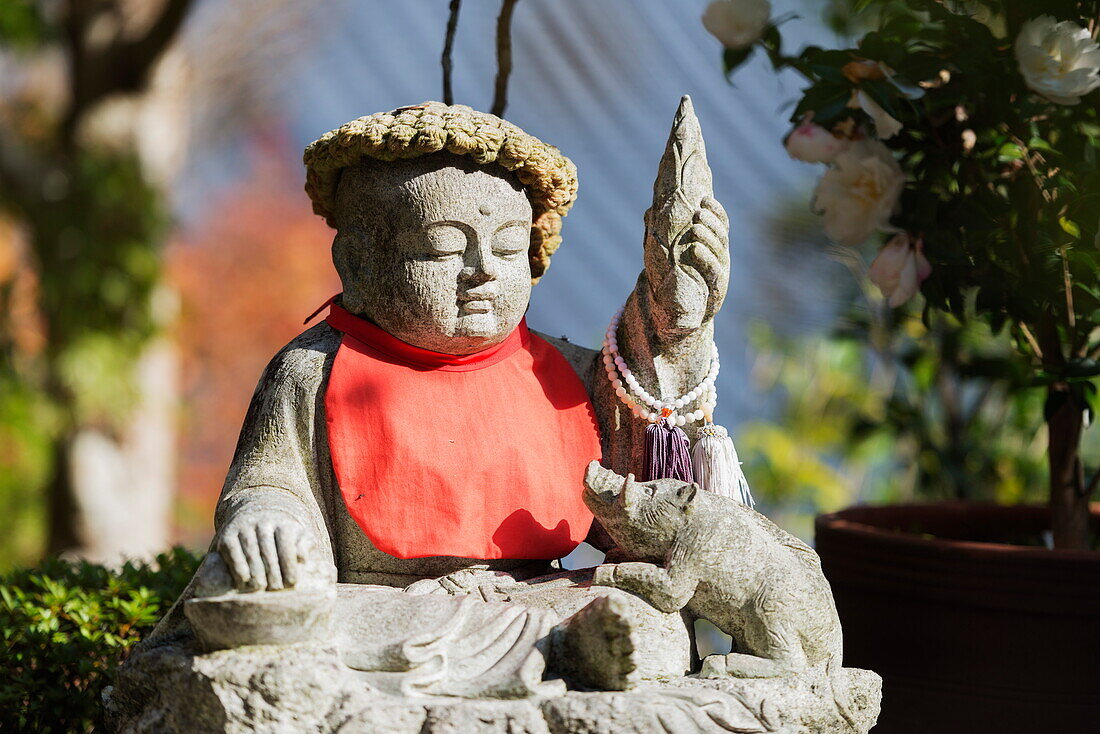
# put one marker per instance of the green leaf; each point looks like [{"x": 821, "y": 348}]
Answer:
[
  {"x": 734, "y": 57},
  {"x": 1069, "y": 227}
]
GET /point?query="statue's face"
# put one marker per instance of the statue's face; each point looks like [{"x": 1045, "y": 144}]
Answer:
[{"x": 434, "y": 251}]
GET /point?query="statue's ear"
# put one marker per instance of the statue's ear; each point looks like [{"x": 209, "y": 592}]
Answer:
[
  {"x": 687, "y": 493},
  {"x": 347, "y": 257}
]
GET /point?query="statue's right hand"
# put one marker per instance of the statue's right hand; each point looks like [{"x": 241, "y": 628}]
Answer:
[{"x": 264, "y": 549}]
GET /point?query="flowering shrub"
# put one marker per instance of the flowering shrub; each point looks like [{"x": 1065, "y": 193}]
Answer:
[{"x": 969, "y": 134}]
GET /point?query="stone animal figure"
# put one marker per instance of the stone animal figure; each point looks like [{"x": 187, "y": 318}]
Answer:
[{"x": 725, "y": 563}]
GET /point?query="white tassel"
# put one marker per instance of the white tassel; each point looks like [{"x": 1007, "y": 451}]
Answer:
[{"x": 716, "y": 466}]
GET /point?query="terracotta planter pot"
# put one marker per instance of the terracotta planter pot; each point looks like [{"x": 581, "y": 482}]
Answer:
[{"x": 969, "y": 634}]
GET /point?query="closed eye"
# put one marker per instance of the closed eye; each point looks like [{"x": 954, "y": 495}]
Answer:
[
  {"x": 443, "y": 240},
  {"x": 512, "y": 239}
]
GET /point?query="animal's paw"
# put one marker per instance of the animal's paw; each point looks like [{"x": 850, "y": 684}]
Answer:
[
  {"x": 604, "y": 575},
  {"x": 714, "y": 666}
]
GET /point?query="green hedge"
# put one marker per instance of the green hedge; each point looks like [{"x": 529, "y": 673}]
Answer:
[{"x": 66, "y": 626}]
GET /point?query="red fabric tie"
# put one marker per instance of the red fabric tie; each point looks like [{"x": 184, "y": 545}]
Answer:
[{"x": 475, "y": 456}]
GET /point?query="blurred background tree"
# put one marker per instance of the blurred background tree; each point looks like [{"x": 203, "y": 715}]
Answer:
[
  {"x": 112, "y": 116},
  {"x": 89, "y": 406}
]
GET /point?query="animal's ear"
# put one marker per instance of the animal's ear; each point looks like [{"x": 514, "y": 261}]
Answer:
[
  {"x": 626, "y": 498},
  {"x": 687, "y": 493}
]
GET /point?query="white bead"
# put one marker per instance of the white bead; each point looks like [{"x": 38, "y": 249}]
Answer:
[
  {"x": 652, "y": 417},
  {"x": 680, "y": 420},
  {"x": 617, "y": 384},
  {"x": 620, "y": 392}
]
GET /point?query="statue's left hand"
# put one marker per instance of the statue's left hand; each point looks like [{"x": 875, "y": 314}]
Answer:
[{"x": 689, "y": 277}]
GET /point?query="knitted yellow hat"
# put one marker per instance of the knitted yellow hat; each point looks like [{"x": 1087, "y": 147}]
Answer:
[{"x": 408, "y": 132}]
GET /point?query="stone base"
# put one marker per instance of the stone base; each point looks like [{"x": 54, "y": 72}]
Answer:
[{"x": 307, "y": 688}]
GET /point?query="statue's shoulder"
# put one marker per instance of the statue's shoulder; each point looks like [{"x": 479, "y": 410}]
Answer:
[
  {"x": 579, "y": 358},
  {"x": 305, "y": 361}
]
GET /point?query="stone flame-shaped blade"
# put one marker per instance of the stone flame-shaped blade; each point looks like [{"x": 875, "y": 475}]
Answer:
[{"x": 683, "y": 179}]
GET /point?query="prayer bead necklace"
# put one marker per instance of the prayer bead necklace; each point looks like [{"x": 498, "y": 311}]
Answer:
[{"x": 644, "y": 405}]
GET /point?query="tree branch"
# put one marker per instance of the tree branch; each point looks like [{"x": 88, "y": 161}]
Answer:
[
  {"x": 1031, "y": 340},
  {"x": 504, "y": 56},
  {"x": 123, "y": 66},
  {"x": 448, "y": 47}
]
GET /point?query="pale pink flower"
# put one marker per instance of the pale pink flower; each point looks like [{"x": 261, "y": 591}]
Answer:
[
  {"x": 814, "y": 144},
  {"x": 737, "y": 23},
  {"x": 860, "y": 193},
  {"x": 899, "y": 269}
]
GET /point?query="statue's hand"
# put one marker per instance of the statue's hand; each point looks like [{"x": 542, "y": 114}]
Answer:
[
  {"x": 264, "y": 548},
  {"x": 690, "y": 276}
]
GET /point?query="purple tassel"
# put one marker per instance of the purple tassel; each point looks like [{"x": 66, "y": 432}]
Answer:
[{"x": 666, "y": 453}]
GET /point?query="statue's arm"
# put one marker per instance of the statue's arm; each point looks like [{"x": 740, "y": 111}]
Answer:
[
  {"x": 666, "y": 330},
  {"x": 271, "y": 515}
]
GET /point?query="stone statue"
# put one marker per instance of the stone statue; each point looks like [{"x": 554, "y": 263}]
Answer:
[
  {"x": 726, "y": 563},
  {"x": 382, "y": 556}
]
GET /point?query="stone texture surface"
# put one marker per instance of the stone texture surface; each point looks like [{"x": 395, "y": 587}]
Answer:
[
  {"x": 307, "y": 688},
  {"x": 721, "y": 561}
]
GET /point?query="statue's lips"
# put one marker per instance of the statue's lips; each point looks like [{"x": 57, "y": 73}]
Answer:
[{"x": 473, "y": 302}]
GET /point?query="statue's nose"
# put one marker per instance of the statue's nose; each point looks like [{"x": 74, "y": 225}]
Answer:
[{"x": 480, "y": 263}]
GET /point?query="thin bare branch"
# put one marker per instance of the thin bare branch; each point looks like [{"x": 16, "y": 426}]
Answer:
[
  {"x": 1031, "y": 340},
  {"x": 448, "y": 47},
  {"x": 1071, "y": 317},
  {"x": 504, "y": 56}
]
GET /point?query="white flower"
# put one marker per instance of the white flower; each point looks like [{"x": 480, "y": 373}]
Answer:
[
  {"x": 885, "y": 126},
  {"x": 859, "y": 193},
  {"x": 1058, "y": 60},
  {"x": 737, "y": 23},
  {"x": 899, "y": 269},
  {"x": 814, "y": 144}
]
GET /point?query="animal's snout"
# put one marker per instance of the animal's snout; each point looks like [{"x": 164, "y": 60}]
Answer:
[{"x": 602, "y": 487}]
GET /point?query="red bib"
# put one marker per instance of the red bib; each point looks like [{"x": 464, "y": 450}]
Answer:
[{"x": 474, "y": 456}]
